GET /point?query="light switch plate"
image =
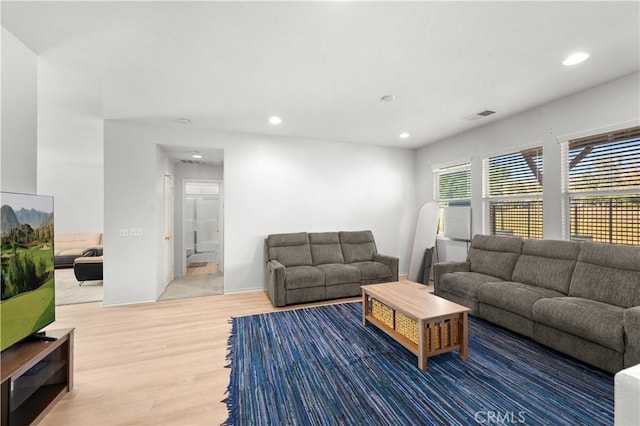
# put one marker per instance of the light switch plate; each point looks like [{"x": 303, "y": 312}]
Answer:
[
  {"x": 124, "y": 233},
  {"x": 135, "y": 232}
]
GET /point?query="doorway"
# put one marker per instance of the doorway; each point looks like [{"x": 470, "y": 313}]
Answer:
[
  {"x": 202, "y": 225},
  {"x": 200, "y": 245}
]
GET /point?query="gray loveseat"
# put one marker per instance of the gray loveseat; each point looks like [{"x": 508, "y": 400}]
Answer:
[
  {"x": 580, "y": 298},
  {"x": 307, "y": 267}
]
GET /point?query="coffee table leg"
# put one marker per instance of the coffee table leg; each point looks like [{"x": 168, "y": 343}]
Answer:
[
  {"x": 463, "y": 337},
  {"x": 365, "y": 304},
  {"x": 422, "y": 346}
]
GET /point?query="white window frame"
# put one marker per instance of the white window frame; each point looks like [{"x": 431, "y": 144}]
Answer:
[{"x": 448, "y": 168}]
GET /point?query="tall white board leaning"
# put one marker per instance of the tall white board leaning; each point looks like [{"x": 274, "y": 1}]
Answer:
[{"x": 424, "y": 238}]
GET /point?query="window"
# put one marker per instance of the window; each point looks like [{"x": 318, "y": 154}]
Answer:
[
  {"x": 601, "y": 185},
  {"x": 452, "y": 187},
  {"x": 512, "y": 193}
]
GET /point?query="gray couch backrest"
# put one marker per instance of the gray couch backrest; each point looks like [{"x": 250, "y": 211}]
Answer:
[
  {"x": 608, "y": 273},
  {"x": 494, "y": 255},
  {"x": 547, "y": 263},
  {"x": 290, "y": 249},
  {"x": 325, "y": 248},
  {"x": 357, "y": 246}
]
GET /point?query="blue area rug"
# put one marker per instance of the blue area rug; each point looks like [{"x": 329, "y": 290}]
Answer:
[{"x": 321, "y": 366}]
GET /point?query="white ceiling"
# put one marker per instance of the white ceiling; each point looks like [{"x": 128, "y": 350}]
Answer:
[
  {"x": 323, "y": 66},
  {"x": 179, "y": 153}
]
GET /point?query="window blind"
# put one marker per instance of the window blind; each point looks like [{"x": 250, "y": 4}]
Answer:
[
  {"x": 601, "y": 176},
  {"x": 605, "y": 162},
  {"x": 513, "y": 193},
  {"x": 202, "y": 188},
  {"x": 517, "y": 173},
  {"x": 453, "y": 183}
]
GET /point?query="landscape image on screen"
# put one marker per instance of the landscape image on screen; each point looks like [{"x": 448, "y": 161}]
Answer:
[{"x": 27, "y": 301}]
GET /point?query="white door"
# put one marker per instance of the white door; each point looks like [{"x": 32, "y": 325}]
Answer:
[{"x": 168, "y": 227}]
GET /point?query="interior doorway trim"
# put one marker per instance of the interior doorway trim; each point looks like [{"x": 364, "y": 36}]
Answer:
[{"x": 169, "y": 236}]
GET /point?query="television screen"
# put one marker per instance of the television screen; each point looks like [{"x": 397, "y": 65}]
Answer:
[{"x": 27, "y": 301}]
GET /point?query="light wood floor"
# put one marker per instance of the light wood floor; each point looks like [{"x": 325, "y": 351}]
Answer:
[{"x": 155, "y": 363}]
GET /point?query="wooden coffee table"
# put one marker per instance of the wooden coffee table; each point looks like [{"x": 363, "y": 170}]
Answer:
[{"x": 425, "y": 324}]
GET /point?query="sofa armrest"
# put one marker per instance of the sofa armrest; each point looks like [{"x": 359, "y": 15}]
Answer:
[
  {"x": 92, "y": 251},
  {"x": 441, "y": 268},
  {"x": 632, "y": 336},
  {"x": 276, "y": 272},
  {"x": 391, "y": 261}
]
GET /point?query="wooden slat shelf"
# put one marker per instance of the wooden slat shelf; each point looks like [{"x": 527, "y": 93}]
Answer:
[{"x": 394, "y": 334}]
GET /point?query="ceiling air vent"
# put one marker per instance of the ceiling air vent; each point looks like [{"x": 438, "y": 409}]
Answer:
[
  {"x": 193, "y": 162},
  {"x": 479, "y": 115}
]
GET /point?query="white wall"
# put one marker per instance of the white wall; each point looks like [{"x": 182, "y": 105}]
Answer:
[
  {"x": 70, "y": 144},
  {"x": 18, "y": 153},
  {"x": 130, "y": 194},
  {"x": 52, "y": 135},
  {"x": 592, "y": 110},
  {"x": 183, "y": 172},
  {"x": 272, "y": 185}
]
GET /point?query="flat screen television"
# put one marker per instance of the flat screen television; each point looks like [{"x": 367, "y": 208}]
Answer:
[{"x": 27, "y": 302}]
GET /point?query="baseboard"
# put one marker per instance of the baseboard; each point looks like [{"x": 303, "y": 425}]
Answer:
[
  {"x": 109, "y": 305},
  {"x": 245, "y": 290}
]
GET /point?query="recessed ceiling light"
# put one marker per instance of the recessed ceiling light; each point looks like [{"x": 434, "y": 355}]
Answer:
[
  {"x": 404, "y": 135},
  {"x": 184, "y": 121},
  {"x": 388, "y": 98},
  {"x": 575, "y": 58},
  {"x": 197, "y": 155},
  {"x": 275, "y": 120}
]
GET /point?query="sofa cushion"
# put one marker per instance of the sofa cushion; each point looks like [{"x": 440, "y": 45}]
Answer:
[
  {"x": 70, "y": 244},
  {"x": 304, "y": 295},
  {"x": 494, "y": 255},
  {"x": 608, "y": 273},
  {"x": 303, "y": 277},
  {"x": 513, "y": 296},
  {"x": 339, "y": 273},
  {"x": 373, "y": 270},
  {"x": 70, "y": 252},
  {"x": 357, "y": 246},
  {"x": 90, "y": 259},
  {"x": 464, "y": 284},
  {"x": 325, "y": 248},
  {"x": 290, "y": 249},
  {"x": 591, "y": 320},
  {"x": 547, "y": 263}
]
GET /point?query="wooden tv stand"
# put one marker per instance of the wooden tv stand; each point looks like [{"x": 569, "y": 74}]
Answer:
[{"x": 35, "y": 375}]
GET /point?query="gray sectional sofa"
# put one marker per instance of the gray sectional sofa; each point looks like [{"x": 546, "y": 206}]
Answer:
[
  {"x": 580, "y": 298},
  {"x": 307, "y": 267}
]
